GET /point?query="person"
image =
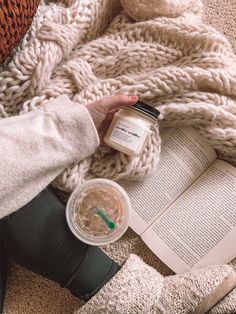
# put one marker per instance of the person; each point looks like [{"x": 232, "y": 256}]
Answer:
[{"x": 36, "y": 147}]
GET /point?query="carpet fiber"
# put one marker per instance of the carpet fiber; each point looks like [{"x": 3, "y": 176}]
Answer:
[{"x": 28, "y": 293}]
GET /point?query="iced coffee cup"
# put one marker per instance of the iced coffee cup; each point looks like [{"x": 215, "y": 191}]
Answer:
[{"x": 98, "y": 212}]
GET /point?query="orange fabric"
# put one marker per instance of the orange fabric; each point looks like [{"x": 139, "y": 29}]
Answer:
[{"x": 15, "y": 19}]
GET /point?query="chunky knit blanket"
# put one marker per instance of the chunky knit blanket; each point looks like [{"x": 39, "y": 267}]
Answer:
[{"x": 88, "y": 49}]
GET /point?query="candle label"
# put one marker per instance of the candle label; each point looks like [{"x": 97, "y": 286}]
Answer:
[{"x": 129, "y": 135}]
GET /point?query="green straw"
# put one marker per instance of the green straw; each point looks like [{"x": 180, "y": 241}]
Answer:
[{"x": 106, "y": 219}]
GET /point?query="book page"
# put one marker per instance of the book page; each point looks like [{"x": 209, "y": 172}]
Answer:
[
  {"x": 199, "y": 229},
  {"x": 184, "y": 156}
]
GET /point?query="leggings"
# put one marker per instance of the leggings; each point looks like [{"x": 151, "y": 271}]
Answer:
[
  {"x": 38, "y": 238},
  {"x": 3, "y": 271}
]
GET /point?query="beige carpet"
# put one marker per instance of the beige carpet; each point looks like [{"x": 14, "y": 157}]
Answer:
[{"x": 28, "y": 293}]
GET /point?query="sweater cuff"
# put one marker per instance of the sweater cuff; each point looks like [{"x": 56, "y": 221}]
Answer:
[
  {"x": 133, "y": 288},
  {"x": 75, "y": 125}
]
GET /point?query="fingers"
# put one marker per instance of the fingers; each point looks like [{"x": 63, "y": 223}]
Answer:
[
  {"x": 99, "y": 109},
  {"x": 105, "y": 124},
  {"x": 116, "y": 101}
]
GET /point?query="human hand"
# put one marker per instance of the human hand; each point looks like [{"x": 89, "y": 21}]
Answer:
[{"x": 102, "y": 111}]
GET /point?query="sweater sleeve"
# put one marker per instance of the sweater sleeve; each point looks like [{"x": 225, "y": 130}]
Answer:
[{"x": 36, "y": 147}]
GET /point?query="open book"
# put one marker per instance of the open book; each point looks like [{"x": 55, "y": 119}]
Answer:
[{"x": 186, "y": 210}]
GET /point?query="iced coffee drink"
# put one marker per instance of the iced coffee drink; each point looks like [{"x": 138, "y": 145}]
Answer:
[{"x": 98, "y": 212}]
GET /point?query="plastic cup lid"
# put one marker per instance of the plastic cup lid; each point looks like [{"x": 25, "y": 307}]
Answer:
[{"x": 98, "y": 212}]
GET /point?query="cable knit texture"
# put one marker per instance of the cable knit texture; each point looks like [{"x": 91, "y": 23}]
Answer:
[
  {"x": 88, "y": 49},
  {"x": 141, "y": 10},
  {"x": 180, "y": 65}
]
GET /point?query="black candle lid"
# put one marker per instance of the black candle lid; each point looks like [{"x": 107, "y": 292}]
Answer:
[{"x": 145, "y": 108}]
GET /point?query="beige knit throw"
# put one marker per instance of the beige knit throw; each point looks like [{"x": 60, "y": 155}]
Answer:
[{"x": 88, "y": 49}]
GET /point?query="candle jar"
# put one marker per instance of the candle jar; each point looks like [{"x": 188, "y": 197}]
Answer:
[
  {"x": 98, "y": 212},
  {"x": 130, "y": 128}
]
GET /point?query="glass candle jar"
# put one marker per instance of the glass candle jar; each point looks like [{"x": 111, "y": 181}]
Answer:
[{"x": 130, "y": 128}]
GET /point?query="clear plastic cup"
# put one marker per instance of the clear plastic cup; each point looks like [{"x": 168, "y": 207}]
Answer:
[{"x": 98, "y": 212}]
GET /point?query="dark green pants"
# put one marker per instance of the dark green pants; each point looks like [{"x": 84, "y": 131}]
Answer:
[
  {"x": 3, "y": 271},
  {"x": 38, "y": 238}
]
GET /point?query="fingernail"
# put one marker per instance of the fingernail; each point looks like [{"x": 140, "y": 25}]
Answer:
[{"x": 134, "y": 97}]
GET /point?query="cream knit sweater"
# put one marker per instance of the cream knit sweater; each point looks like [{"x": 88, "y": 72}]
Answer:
[
  {"x": 180, "y": 65},
  {"x": 36, "y": 147}
]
